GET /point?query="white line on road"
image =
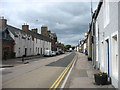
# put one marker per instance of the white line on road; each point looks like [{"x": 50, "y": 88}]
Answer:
[{"x": 67, "y": 76}]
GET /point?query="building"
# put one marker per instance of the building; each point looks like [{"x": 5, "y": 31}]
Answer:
[
  {"x": 119, "y": 45},
  {"x": 81, "y": 46},
  {"x": 105, "y": 37},
  {"x": 60, "y": 46},
  {"x": 90, "y": 42},
  {"x": 53, "y": 37},
  {"x": 23, "y": 41},
  {"x": 55, "y": 46},
  {"x": 7, "y": 45}
]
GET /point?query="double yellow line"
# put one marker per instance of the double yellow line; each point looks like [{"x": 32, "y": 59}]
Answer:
[{"x": 60, "y": 78}]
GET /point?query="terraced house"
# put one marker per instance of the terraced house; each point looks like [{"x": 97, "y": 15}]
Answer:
[
  {"x": 105, "y": 34},
  {"x": 23, "y": 41}
]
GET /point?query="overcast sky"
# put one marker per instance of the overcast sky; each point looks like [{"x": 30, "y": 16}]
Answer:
[{"x": 69, "y": 20}]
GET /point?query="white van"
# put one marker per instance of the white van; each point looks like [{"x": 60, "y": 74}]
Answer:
[{"x": 48, "y": 53}]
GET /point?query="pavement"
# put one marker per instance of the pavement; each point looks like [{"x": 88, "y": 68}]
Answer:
[
  {"x": 18, "y": 61},
  {"x": 82, "y": 75}
]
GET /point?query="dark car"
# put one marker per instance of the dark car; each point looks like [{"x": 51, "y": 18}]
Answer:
[{"x": 57, "y": 53}]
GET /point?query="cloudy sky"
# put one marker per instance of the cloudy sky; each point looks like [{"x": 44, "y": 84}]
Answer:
[{"x": 69, "y": 20}]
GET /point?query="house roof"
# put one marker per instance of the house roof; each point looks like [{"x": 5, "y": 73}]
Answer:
[
  {"x": 39, "y": 36},
  {"x": 15, "y": 30},
  {"x": 98, "y": 9},
  {"x": 7, "y": 36}
]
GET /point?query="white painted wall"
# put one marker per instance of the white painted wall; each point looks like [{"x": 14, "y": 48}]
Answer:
[
  {"x": 21, "y": 44},
  {"x": 33, "y": 46},
  {"x": 119, "y": 45},
  {"x": 107, "y": 27}
]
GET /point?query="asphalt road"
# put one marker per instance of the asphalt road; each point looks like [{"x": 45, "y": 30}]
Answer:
[{"x": 38, "y": 74}]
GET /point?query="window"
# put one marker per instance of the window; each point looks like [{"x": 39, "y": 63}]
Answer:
[
  {"x": 19, "y": 50},
  {"x": 36, "y": 49},
  {"x": 30, "y": 50},
  {"x": 106, "y": 13},
  {"x": 36, "y": 40},
  {"x": 102, "y": 54}
]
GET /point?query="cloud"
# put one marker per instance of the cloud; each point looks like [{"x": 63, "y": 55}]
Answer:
[{"x": 69, "y": 20}]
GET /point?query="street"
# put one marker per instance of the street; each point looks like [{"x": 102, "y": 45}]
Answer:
[
  {"x": 54, "y": 44},
  {"x": 37, "y": 74}
]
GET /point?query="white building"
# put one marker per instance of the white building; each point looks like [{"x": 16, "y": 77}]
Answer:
[
  {"x": 27, "y": 42},
  {"x": 106, "y": 29}
]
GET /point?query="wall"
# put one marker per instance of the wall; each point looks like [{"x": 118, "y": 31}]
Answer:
[
  {"x": 105, "y": 33},
  {"x": 119, "y": 43},
  {"x": 21, "y": 44},
  {"x": 89, "y": 46}
]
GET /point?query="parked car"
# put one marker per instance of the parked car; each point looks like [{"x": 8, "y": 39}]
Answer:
[
  {"x": 53, "y": 53},
  {"x": 61, "y": 52},
  {"x": 48, "y": 53},
  {"x": 68, "y": 50},
  {"x": 57, "y": 53}
]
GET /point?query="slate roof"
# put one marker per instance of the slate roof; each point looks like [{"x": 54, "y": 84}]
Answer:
[
  {"x": 7, "y": 36},
  {"x": 39, "y": 36},
  {"x": 15, "y": 30}
]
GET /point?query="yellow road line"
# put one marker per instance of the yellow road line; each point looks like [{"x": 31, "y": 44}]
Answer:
[
  {"x": 59, "y": 79},
  {"x": 63, "y": 76}
]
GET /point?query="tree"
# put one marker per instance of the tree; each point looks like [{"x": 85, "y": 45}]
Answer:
[
  {"x": 67, "y": 47},
  {"x": 73, "y": 47}
]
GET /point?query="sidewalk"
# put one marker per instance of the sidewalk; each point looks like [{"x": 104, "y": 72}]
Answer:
[
  {"x": 17, "y": 61},
  {"x": 82, "y": 75}
]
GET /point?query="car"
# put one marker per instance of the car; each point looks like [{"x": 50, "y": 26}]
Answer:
[
  {"x": 53, "y": 53},
  {"x": 61, "y": 52},
  {"x": 57, "y": 53},
  {"x": 48, "y": 53}
]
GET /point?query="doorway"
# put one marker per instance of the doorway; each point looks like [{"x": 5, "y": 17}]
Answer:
[
  {"x": 115, "y": 55},
  {"x": 41, "y": 51},
  {"x": 108, "y": 56},
  {"x": 25, "y": 51}
]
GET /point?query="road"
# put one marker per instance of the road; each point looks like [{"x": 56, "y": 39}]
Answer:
[{"x": 40, "y": 73}]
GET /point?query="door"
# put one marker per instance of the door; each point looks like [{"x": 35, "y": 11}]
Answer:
[
  {"x": 25, "y": 51},
  {"x": 41, "y": 51},
  {"x": 38, "y": 50},
  {"x": 108, "y": 57}
]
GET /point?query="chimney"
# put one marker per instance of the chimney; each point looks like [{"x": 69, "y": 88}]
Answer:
[
  {"x": 44, "y": 30},
  {"x": 35, "y": 30},
  {"x": 25, "y": 27},
  {"x": 3, "y": 23}
]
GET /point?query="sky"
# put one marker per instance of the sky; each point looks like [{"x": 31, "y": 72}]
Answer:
[{"x": 68, "y": 19}]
